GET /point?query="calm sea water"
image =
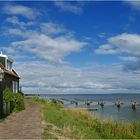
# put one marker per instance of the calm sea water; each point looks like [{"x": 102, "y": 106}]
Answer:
[{"x": 109, "y": 111}]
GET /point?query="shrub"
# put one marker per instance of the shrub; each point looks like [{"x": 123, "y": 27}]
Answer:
[
  {"x": 7, "y": 95},
  {"x": 16, "y": 99},
  {"x": 20, "y": 92},
  {"x": 18, "y": 102}
]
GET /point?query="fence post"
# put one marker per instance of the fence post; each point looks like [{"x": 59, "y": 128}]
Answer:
[
  {"x": 11, "y": 106},
  {"x": 1, "y": 99},
  {"x": 7, "y": 112}
]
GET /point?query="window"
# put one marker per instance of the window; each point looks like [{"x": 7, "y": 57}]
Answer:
[
  {"x": 9, "y": 65},
  {"x": 15, "y": 86}
]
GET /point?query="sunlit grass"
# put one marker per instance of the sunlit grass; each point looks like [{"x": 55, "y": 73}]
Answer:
[{"x": 78, "y": 124}]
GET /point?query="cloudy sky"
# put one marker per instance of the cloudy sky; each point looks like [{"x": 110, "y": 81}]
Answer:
[{"x": 73, "y": 47}]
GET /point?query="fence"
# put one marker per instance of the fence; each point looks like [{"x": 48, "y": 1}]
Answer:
[{"x": 7, "y": 107}]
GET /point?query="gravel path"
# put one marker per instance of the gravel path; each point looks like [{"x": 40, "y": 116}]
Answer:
[{"x": 23, "y": 125}]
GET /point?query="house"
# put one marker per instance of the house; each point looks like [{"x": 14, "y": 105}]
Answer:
[
  {"x": 8, "y": 78},
  {"x": 11, "y": 78}
]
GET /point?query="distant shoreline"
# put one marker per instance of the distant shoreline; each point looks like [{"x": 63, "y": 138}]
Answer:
[{"x": 28, "y": 94}]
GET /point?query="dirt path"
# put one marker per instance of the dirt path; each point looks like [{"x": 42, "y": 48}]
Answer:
[{"x": 23, "y": 125}]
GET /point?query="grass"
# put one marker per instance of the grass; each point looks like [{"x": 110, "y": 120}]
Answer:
[{"x": 60, "y": 123}]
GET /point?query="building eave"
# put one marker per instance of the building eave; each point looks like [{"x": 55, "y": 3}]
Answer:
[{"x": 11, "y": 73}]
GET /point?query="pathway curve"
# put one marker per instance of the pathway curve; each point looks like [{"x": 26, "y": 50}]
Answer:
[{"x": 23, "y": 125}]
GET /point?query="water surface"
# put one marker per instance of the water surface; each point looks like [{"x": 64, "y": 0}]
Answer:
[{"x": 109, "y": 111}]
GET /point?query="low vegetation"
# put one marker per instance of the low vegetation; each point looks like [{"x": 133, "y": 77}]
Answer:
[
  {"x": 60, "y": 123},
  {"x": 16, "y": 100}
]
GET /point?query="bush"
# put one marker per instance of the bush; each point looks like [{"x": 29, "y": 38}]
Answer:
[
  {"x": 20, "y": 92},
  {"x": 7, "y": 95},
  {"x": 18, "y": 102},
  {"x": 39, "y": 100},
  {"x": 16, "y": 99}
]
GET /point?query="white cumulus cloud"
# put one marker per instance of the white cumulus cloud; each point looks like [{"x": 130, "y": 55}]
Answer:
[
  {"x": 123, "y": 43},
  {"x": 24, "y": 11},
  {"x": 50, "y": 41},
  {"x": 15, "y": 21},
  {"x": 51, "y": 28},
  {"x": 69, "y": 7},
  {"x": 42, "y": 77},
  {"x": 128, "y": 58},
  {"x": 135, "y": 4},
  {"x": 53, "y": 49}
]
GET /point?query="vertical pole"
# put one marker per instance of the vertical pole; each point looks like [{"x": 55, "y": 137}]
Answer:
[
  {"x": 1, "y": 99},
  {"x": 6, "y": 108}
]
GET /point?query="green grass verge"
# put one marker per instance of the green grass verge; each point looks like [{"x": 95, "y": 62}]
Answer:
[{"x": 63, "y": 123}]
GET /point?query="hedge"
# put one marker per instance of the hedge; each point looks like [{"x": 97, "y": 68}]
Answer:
[{"x": 16, "y": 98}]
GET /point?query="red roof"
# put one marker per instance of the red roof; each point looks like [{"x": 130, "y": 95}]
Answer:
[{"x": 9, "y": 72}]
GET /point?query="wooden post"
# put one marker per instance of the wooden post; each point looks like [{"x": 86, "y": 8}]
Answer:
[
  {"x": 11, "y": 106},
  {"x": 1, "y": 99},
  {"x": 7, "y": 108}
]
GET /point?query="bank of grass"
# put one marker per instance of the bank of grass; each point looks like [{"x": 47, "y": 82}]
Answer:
[{"x": 60, "y": 123}]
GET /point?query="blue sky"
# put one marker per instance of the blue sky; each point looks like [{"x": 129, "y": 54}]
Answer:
[{"x": 73, "y": 47}]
